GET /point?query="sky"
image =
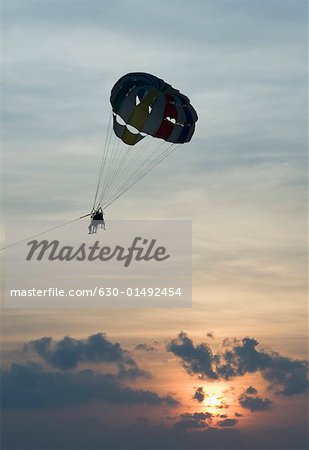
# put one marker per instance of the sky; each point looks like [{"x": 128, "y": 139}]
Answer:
[{"x": 230, "y": 372}]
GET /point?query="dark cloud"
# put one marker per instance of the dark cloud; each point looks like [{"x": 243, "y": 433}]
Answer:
[
  {"x": 199, "y": 394},
  {"x": 68, "y": 353},
  {"x": 145, "y": 348},
  {"x": 193, "y": 420},
  {"x": 241, "y": 358},
  {"x": 29, "y": 386},
  {"x": 287, "y": 376},
  {"x": 251, "y": 390},
  {"x": 227, "y": 422},
  {"x": 255, "y": 403},
  {"x": 249, "y": 400},
  {"x": 197, "y": 416},
  {"x": 197, "y": 360},
  {"x": 132, "y": 373}
]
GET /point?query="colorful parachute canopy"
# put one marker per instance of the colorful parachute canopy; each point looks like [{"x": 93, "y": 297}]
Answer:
[{"x": 145, "y": 105}]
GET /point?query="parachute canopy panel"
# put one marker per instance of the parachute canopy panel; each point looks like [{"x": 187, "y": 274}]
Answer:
[{"x": 145, "y": 105}]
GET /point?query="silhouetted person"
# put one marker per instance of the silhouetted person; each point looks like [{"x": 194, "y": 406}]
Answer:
[{"x": 96, "y": 220}]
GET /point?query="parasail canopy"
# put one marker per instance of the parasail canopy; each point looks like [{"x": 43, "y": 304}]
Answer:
[
  {"x": 146, "y": 105},
  {"x": 149, "y": 118}
]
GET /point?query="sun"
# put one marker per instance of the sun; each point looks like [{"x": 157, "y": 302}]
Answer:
[
  {"x": 213, "y": 400},
  {"x": 216, "y": 398}
]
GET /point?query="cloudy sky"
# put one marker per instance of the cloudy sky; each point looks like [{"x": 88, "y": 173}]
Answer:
[{"x": 230, "y": 371}]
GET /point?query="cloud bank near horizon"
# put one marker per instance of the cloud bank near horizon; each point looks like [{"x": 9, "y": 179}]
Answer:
[{"x": 286, "y": 376}]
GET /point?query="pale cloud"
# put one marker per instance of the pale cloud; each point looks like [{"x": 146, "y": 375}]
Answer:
[{"x": 243, "y": 177}]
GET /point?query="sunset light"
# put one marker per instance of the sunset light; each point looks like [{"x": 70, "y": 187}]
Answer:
[{"x": 213, "y": 401}]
